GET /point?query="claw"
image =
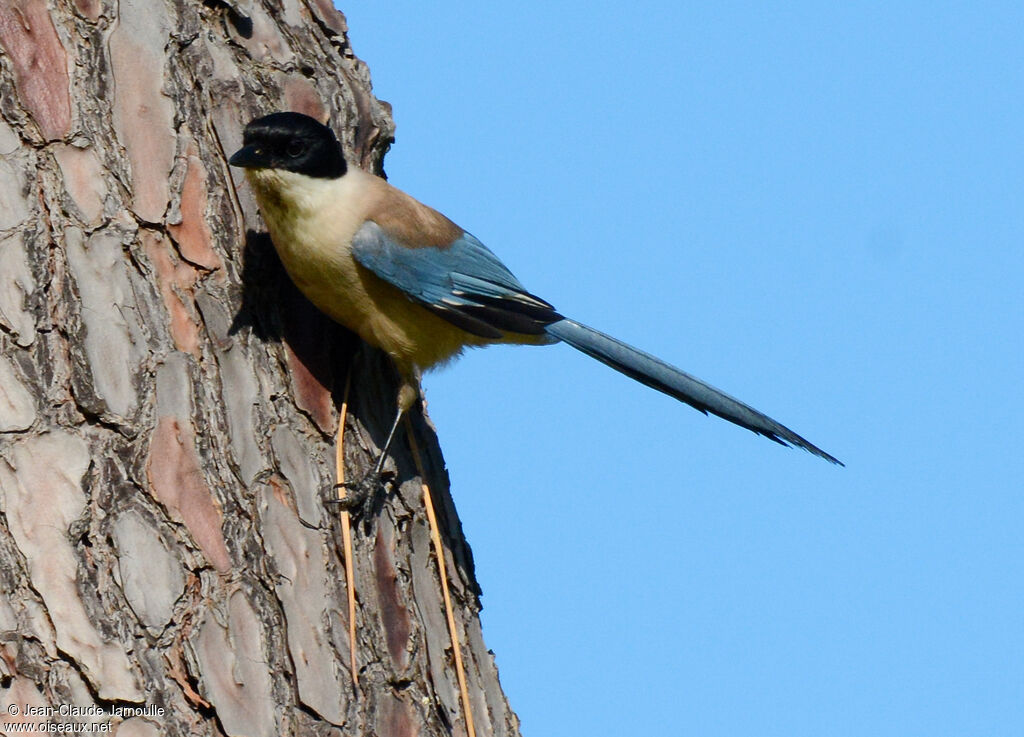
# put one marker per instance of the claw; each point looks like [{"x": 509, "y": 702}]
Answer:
[{"x": 359, "y": 494}]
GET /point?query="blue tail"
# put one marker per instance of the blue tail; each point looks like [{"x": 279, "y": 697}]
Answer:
[{"x": 659, "y": 375}]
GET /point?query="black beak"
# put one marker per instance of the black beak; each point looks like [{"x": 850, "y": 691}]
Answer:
[{"x": 248, "y": 157}]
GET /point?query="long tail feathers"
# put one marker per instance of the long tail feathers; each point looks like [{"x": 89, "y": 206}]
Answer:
[{"x": 659, "y": 375}]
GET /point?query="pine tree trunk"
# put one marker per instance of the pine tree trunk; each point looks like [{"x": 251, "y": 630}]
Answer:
[{"x": 168, "y": 400}]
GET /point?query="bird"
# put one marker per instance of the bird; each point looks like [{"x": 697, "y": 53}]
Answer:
[{"x": 409, "y": 281}]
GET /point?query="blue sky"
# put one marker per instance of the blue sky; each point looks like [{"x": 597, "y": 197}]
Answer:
[{"x": 817, "y": 208}]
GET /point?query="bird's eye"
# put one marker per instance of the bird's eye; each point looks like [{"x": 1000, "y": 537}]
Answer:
[{"x": 294, "y": 149}]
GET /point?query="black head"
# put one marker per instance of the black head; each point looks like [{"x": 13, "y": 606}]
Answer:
[{"x": 290, "y": 141}]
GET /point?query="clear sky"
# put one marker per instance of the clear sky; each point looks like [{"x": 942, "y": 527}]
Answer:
[{"x": 818, "y": 208}]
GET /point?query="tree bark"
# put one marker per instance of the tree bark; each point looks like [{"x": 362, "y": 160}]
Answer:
[{"x": 168, "y": 400}]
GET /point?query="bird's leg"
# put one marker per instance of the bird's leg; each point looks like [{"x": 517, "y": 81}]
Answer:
[{"x": 360, "y": 492}]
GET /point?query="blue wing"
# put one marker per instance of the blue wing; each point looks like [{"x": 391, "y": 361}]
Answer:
[{"x": 464, "y": 283}]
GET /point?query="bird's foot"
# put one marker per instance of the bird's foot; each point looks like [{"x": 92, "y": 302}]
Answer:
[{"x": 359, "y": 495}]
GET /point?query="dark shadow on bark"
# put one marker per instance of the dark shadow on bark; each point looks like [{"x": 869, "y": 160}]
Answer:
[{"x": 276, "y": 311}]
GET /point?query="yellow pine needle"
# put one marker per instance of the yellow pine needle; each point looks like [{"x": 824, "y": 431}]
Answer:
[{"x": 435, "y": 536}]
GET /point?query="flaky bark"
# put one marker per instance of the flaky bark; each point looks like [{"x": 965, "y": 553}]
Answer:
[{"x": 168, "y": 400}]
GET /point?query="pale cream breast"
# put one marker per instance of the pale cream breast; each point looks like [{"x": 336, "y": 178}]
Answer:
[{"x": 311, "y": 222}]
